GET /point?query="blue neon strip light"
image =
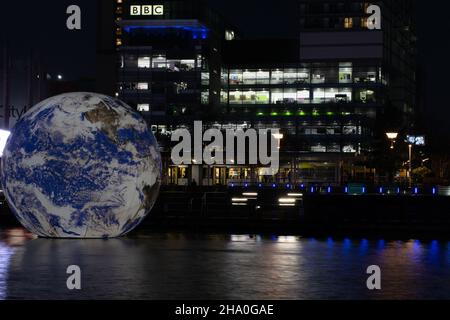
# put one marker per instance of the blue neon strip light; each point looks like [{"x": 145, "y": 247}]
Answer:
[{"x": 196, "y": 32}]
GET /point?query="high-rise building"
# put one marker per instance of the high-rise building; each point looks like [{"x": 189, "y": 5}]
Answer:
[{"x": 332, "y": 91}]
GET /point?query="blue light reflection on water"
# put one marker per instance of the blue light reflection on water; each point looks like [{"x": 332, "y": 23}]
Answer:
[
  {"x": 181, "y": 266},
  {"x": 5, "y": 257}
]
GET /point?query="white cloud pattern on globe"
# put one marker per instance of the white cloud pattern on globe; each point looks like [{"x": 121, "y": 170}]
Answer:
[{"x": 81, "y": 165}]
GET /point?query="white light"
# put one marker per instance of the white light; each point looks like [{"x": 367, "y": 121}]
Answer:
[
  {"x": 250, "y": 194},
  {"x": 392, "y": 135},
  {"x": 287, "y": 200},
  {"x": 287, "y": 205},
  {"x": 278, "y": 136},
  {"x": 60, "y": 77},
  {"x": 239, "y": 200},
  {"x": 4, "y": 135},
  {"x": 297, "y": 195}
]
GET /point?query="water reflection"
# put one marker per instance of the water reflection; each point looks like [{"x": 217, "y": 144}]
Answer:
[{"x": 182, "y": 266}]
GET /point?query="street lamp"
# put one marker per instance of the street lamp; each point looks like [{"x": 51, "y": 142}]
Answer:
[
  {"x": 392, "y": 136},
  {"x": 278, "y": 137}
]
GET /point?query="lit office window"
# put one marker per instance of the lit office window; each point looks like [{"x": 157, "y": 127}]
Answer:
[
  {"x": 290, "y": 76},
  {"x": 143, "y": 107},
  {"x": 277, "y": 96},
  {"x": 318, "y": 148},
  {"x": 235, "y": 97},
  {"x": 224, "y": 77},
  {"x": 262, "y": 97},
  {"x": 249, "y": 77},
  {"x": 142, "y": 86},
  {"x": 144, "y": 62},
  {"x": 263, "y": 77},
  {"x": 159, "y": 62},
  {"x": 367, "y": 96},
  {"x": 318, "y": 76},
  {"x": 205, "y": 97},
  {"x": 318, "y": 95},
  {"x": 249, "y": 97},
  {"x": 349, "y": 149},
  {"x": 345, "y": 73},
  {"x": 303, "y": 96},
  {"x": 344, "y": 95},
  {"x": 348, "y": 23},
  {"x": 236, "y": 77},
  {"x": 277, "y": 77},
  {"x": 205, "y": 78},
  {"x": 350, "y": 130},
  {"x": 303, "y": 76},
  {"x": 364, "y": 23},
  {"x": 224, "y": 97},
  {"x": 187, "y": 65}
]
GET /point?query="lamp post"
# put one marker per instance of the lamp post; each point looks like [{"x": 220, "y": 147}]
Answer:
[
  {"x": 410, "y": 146},
  {"x": 278, "y": 137},
  {"x": 392, "y": 136}
]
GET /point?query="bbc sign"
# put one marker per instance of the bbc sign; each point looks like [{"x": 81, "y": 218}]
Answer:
[{"x": 147, "y": 10}]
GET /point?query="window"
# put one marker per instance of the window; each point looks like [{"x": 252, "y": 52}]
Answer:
[
  {"x": 318, "y": 95},
  {"x": 235, "y": 97},
  {"x": 303, "y": 76},
  {"x": 318, "y": 148},
  {"x": 224, "y": 97},
  {"x": 249, "y": 77},
  {"x": 303, "y": 96},
  {"x": 144, "y": 62},
  {"x": 205, "y": 97},
  {"x": 187, "y": 65},
  {"x": 290, "y": 76},
  {"x": 263, "y": 77},
  {"x": 366, "y": 96},
  {"x": 142, "y": 86},
  {"x": 159, "y": 62},
  {"x": 224, "y": 77},
  {"x": 349, "y": 149},
  {"x": 262, "y": 97},
  {"x": 345, "y": 73},
  {"x": 205, "y": 78},
  {"x": 364, "y": 23},
  {"x": 277, "y": 77},
  {"x": 143, "y": 107},
  {"x": 236, "y": 77},
  {"x": 348, "y": 23},
  {"x": 318, "y": 76}
]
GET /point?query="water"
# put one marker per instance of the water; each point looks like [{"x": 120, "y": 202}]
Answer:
[{"x": 180, "y": 266}]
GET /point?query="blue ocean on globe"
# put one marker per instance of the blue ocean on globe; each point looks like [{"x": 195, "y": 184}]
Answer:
[{"x": 81, "y": 165}]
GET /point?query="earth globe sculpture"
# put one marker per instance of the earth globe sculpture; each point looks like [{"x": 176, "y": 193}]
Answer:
[{"x": 81, "y": 165}]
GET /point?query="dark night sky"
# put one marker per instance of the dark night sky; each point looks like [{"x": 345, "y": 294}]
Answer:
[{"x": 41, "y": 24}]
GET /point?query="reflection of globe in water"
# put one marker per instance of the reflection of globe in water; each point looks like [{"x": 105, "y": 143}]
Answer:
[{"x": 81, "y": 165}]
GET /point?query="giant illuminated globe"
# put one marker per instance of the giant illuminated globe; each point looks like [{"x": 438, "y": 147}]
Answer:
[{"x": 81, "y": 165}]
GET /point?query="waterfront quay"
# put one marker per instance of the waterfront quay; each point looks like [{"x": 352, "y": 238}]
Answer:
[{"x": 289, "y": 209}]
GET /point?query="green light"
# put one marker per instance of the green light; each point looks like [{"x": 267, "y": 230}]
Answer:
[
  {"x": 330, "y": 113},
  {"x": 316, "y": 114},
  {"x": 274, "y": 114},
  {"x": 302, "y": 113},
  {"x": 260, "y": 114},
  {"x": 288, "y": 113}
]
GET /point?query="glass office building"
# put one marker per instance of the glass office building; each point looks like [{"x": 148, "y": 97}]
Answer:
[{"x": 178, "y": 61}]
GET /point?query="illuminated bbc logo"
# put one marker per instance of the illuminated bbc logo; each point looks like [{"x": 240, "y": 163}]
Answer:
[{"x": 147, "y": 10}]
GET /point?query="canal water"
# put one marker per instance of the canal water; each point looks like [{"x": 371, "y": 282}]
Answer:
[{"x": 186, "y": 266}]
